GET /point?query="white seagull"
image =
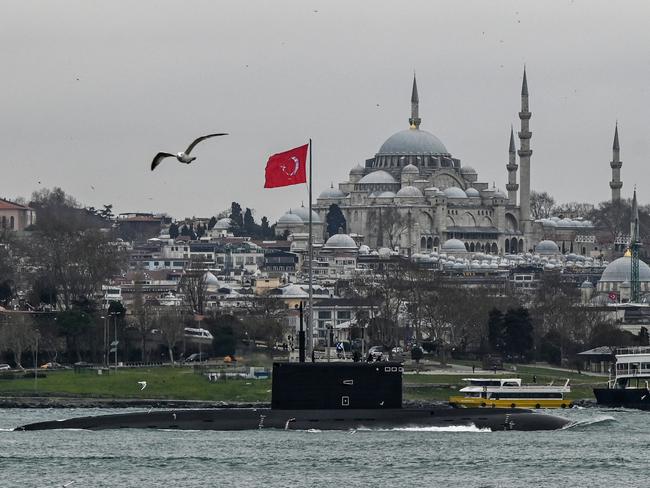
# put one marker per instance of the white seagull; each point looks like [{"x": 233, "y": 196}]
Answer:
[
  {"x": 143, "y": 384},
  {"x": 183, "y": 157}
]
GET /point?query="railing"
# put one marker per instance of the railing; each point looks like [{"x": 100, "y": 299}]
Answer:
[{"x": 633, "y": 350}]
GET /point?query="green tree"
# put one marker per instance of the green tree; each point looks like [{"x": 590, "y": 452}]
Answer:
[
  {"x": 173, "y": 230},
  {"x": 496, "y": 331},
  {"x": 335, "y": 220},
  {"x": 518, "y": 329},
  {"x": 236, "y": 217},
  {"x": 212, "y": 223},
  {"x": 267, "y": 232},
  {"x": 541, "y": 205}
]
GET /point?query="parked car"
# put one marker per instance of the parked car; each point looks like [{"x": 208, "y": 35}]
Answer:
[
  {"x": 4, "y": 367},
  {"x": 51, "y": 365},
  {"x": 197, "y": 357},
  {"x": 376, "y": 352}
]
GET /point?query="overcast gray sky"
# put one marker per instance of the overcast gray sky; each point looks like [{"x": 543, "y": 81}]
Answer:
[{"x": 90, "y": 91}]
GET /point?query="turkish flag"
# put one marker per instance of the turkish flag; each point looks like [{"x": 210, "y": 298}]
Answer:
[{"x": 287, "y": 168}]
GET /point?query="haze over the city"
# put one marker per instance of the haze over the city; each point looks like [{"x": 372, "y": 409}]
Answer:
[{"x": 91, "y": 91}]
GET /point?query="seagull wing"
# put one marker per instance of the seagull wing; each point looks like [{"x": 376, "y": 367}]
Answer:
[
  {"x": 196, "y": 141},
  {"x": 159, "y": 157}
]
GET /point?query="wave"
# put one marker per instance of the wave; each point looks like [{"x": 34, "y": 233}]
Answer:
[
  {"x": 446, "y": 428},
  {"x": 598, "y": 420}
]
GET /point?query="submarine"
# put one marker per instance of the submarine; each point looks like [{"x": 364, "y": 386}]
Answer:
[{"x": 323, "y": 396}]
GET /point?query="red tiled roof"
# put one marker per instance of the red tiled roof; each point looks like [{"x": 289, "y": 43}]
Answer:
[{"x": 7, "y": 205}]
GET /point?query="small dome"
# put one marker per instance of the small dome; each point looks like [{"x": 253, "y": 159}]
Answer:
[
  {"x": 410, "y": 170},
  {"x": 409, "y": 191},
  {"x": 341, "y": 242},
  {"x": 290, "y": 218},
  {"x": 547, "y": 247},
  {"x": 332, "y": 192},
  {"x": 223, "y": 224},
  {"x": 587, "y": 284},
  {"x": 378, "y": 177},
  {"x": 303, "y": 213},
  {"x": 468, "y": 170},
  {"x": 453, "y": 245},
  {"x": 357, "y": 170},
  {"x": 472, "y": 193},
  {"x": 363, "y": 249},
  {"x": 500, "y": 194},
  {"x": 412, "y": 141},
  {"x": 455, "y": 192},
  {"x": 386, "y": 194}
]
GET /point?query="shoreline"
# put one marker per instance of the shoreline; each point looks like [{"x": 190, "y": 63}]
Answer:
[{"x": 85, "y": 402}]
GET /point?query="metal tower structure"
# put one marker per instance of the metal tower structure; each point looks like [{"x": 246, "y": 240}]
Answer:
[{"x": 635, "y": 244}]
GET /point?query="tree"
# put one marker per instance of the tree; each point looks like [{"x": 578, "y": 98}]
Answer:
[
  {"x": 18, "y": 334},
  {"x": 7, "y": 269},
  {"x": 170, "y": 323},
  {"x": 173, "y": 230},
  {"x": 335, "y": 220},
  {"x": 250, "y": 227},
  {"x": 212, "y": 223},
  {"x": 496, "y": 331},
  {"x": 541, "y": 205},
  {"x": 194, "y": 285},
  {"x": 266, "y": 231},
  {"x": 574, "y": 210},
  {"x": 643, "y": 337},
  {"x": 236, "y": 218},
  {"x": 518, "y": 329},
  {"x": 76, "y": 263},
  {"x": 142, "y": 316}
]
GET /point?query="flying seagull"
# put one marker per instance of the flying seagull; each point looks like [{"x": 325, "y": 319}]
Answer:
[
  {"x": 143, "y": 384},
  {"x": 183, "y": 157}
]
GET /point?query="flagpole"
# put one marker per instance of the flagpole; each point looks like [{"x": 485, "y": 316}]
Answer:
[{"x": 310, "y": 249}]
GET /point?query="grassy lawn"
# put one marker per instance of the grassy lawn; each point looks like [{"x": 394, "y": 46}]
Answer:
[
  {"x": 168, "y": 383},
  {"x": 182, "y": 383}
]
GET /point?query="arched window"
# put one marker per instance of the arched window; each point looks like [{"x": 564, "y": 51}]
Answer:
[
  {"x": 507, "y": 246},
  {"x": 521, "y": 245},
  {"x": 423, "y": 242},
  {"x": 436, "y": 242},
  {"x": 429, "y": 243},
  {"x": 495, "y": 248}
]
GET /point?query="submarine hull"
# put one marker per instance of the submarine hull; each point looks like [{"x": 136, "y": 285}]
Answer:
[{"x": 228, "y": 419}]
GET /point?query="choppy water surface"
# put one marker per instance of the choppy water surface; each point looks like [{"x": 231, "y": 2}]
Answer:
[{"x": 605, "y": 448}]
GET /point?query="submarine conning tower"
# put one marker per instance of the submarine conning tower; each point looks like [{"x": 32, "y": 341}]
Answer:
[{"x": 335, "y": 385}]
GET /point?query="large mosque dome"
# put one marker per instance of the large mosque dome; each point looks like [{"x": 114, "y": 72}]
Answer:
[
  {"x": 620, "y": 270},
  {"x": 412, "y": 141}
]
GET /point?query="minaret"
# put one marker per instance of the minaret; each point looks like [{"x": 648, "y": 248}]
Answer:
[
  {"x": 634, "y": 220},
  {"x": 524, "y": 155},
  {"x": 512, "y": 185},
  {"x": 415, "y": 120},
  {"x": 616, "y": 164}
]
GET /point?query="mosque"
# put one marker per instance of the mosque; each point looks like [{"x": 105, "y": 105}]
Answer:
[{"x": 414, "y": 196}]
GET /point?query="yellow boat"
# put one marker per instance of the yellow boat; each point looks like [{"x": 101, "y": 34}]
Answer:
[{"x": 510, "y": 393}]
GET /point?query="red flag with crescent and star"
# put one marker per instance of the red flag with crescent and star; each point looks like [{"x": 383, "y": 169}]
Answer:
[{"x": 287, "y": 168}]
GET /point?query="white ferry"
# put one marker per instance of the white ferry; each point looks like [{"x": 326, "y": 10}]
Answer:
[
  {"x": 629, "y": 383},
  {"x": 510, "y": 393}
]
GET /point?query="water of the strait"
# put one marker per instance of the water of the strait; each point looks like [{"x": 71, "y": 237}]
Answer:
[{"x": 606, "y": 448}]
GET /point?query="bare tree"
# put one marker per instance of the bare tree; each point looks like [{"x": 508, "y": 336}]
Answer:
[
  {"x": 142, "y": 316},
  {"x": 18, "y": 334},
  {"x": 541, "y": 205},
  {"x": 194, "y": 285},
  {"x": 171, "y": 325}
]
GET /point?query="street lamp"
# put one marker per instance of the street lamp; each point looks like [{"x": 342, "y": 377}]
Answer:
[{"x": 115, "y": 341}]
